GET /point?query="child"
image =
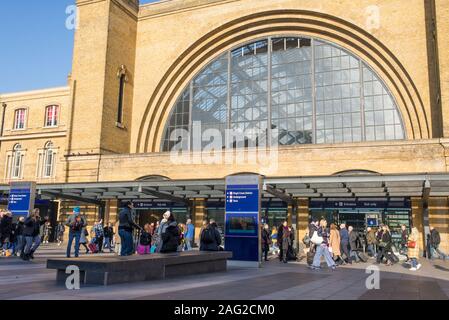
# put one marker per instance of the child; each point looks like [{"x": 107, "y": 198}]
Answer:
[{"x": 144, "y": 241}]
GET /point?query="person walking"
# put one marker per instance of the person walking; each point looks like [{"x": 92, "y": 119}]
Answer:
[
  {"x": 60, "y": 229},
  {"x": 413, "y": 249},
  {"x": 75, "y": 222},
  {"x": 344, "y": 241},
  {"x": 286, "y": 241},
  {"x": 371, "y": 242},
  {"x": 20, "y": 239},
  {"x": 31, "y": 231},
  {"x": 47, "y": 232},
  {"x": 334, "y": 243},
  {"x": 99, "y": 235},
  {"x": 108, "y": 232},
  {"x": 354, "y": 244},
  {"x": 210, "y": 238},
  {"x": 385, "y": 247},
  {"x": 279, "y": 240},
  {"x": 144, "y": 241},
  {"x": 117, "y": 238},
  {"x": 83, "y": 238},
  {"x": 323, "y": 248},
  {"x": 170, "y": 235},
  {"x": 126, "y": 227},
  {"x": 435, "y": 241},
  {"x": 266, "y": 241},
  {"x": 6, "y": 229},
  {"x": 189, "y": 235},
  {"x": 404, "y": 241}
]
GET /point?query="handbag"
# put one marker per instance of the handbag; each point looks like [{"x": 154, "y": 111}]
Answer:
[
  {"x": 411, "y": 244},
  {"x": 382, "y": 244},
  {"x": 316, "y": 239}
]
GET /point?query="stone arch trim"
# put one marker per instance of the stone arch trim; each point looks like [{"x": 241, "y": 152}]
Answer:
[{"x": 278, "y": 22}]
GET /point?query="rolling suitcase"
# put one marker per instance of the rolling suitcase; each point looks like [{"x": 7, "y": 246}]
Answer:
[
  {"x": 363, "y": 256},
  {"x": 93, "y": 248}
]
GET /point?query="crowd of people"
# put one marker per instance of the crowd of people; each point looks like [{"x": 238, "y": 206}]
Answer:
[{"x": 337, "y": 245}]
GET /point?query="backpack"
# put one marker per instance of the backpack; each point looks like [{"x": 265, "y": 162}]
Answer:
[
  {"x": 208, "y": 235},
  {"x": 145, "y": 239}
]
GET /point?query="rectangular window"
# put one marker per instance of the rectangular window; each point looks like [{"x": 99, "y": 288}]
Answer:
[
  {"x": 51, "y": 116},
  {"x": 19, "y": 119}
]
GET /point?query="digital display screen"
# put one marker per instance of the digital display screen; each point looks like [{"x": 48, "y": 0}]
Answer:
[
  {"x": 244, "y": 224},
  {"x": 371, "y": 222}
]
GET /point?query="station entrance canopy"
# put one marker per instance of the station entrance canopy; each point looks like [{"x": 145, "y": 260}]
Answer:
[{"x": 286, "y": 189}]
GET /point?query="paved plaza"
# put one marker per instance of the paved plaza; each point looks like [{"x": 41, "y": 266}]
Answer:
[{"x": 274, "y": 281}]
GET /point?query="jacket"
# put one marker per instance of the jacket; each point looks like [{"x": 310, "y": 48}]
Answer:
[
  {"x": 413, "y": 252},
  {"x": 324, "y": 233},
  {"x": 344, "y": 235},
  {"x": 371, "y": 237},
  {"x": 126, "y": 220},
  {"x": 286, "y": 238},
  {"x": 32, "y": 227},
  {"x": 334, "y": 242},
  {"x": 266, "y": 239},
  {"x": 216, "y": 241},
  {"x": 170, "y": 238},
  {"x": 435, "y": 237},
  {"x": 83, "y": 237},
  {"x": 386, "y": 239},
  {"x": 6, "y": 227},
  {"x": 404, "y": 237},
  {"x": 19, "y": 228},
  {"x": 190, "y": 234},
  {"x": 354, "y": 241},
  {"x": 70, "y": 222}
]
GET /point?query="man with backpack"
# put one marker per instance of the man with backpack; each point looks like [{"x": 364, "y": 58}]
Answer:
[
  {"x": 210, "y": 238},
  {"x": 435, "y": 243},
  {"x": 75, "y": 222}
]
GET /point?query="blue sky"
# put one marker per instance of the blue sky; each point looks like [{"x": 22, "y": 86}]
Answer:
[{"x": 36, "y": 48}]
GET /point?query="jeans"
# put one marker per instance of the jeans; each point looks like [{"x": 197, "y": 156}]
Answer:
[
  {"x": 188, "y": 246},
  {"x": 345, "y": 250},
  {"x": 414, "y": 262},
  {"x": 323, "y": 250},
  {"x": 107, "y": 244},
  {"x": 355, "y": 255},
  {"x": 20, "y": 244},
  {"x": 265, "y": 250},
  {"x": 437, "y": 252},
  {"x": 74, "y": 235},
  {"x": 30, "y": 247},
  {"x": 371, "y": 250},
  {"x": 127, "y": 242}
]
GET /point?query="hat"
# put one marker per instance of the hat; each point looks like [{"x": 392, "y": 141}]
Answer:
[{"x": 76, "y": 210}]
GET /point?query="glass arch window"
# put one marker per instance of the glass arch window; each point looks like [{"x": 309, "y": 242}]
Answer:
[
  {"x": 17, "y": 162},
  {"x": 49, "y": 160},
  {"x": 307, "y": 90}
]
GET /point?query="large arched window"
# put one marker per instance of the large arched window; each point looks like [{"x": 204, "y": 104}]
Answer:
[{"x": 305, "y": 90}]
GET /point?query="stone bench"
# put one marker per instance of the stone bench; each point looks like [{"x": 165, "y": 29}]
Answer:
[{"x": 116, "y": 269}]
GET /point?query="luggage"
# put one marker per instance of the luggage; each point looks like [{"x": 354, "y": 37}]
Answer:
[
  {"x": 142, "y": 249},
  {"x": 93, "y": 248},
  {"x": 291, "y": 255},
  {"x": 310, "y": 256},
  {"x": 363, "y": 256},
  {"x": 394, "y": 258}
]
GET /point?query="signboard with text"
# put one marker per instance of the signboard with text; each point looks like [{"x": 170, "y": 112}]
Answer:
[
  {"x": 242, "y": 216},
  {"x": 21, "y": 197}
]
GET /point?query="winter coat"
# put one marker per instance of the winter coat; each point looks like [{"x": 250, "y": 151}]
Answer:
[
  {"x": 404, "y": 236},
  {"x": 170, "y": 238},
  {"x": 435, "y": 238},
  {"x": 126, "y": 220},
  {"x": 32, "y": 227},
  {"x": 371, "y": 237},
  {"x": 324, "y": 233},
  {"x": 70, "y": 222},
  {"x": 210, "y": 246},
  {"x": 266, "y": 239},
  {"x": 344, "y": 235},
  {"x": 19, "y": 228},
  {"x": 334, "y": 242},
  {"x": 6, "y": 227},
  {"x": 286, "y": 238},
  {"x": 413, "y": 252},
  {"x": 386, "y": 239},
  {"x": 354, "y": 241}
]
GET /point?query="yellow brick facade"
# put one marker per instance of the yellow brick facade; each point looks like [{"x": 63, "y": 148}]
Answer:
[{"x": 163, "y": 45}]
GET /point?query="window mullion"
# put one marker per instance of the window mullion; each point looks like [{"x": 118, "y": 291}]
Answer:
[
  {"x": 269, "y": 88},
  {"x": 313, "y": 93},
  {"x": 362, "y": 103}
]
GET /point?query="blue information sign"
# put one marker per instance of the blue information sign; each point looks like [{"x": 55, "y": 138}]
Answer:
[
  {"x": 242, "y": 230},
  {"x": 21, "y": 198}
]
